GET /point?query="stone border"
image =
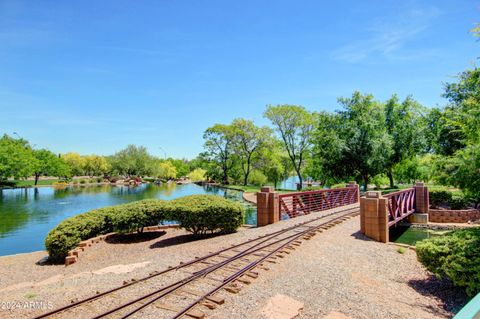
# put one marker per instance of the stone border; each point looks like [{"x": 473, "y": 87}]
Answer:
[
  {"x": 74, "y": 254},
  {"x": 453, "y": 216}
]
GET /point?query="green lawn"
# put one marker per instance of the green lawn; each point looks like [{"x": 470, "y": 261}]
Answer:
[
  {"x": 23, "y": 183},
  {"x": 253, "y": 188}
]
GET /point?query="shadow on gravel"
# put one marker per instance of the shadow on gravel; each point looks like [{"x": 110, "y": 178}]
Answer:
[
  {"x": 177, "y": 240},
  {"x": 452, "y": 298},
  {"x": 359, "y": 235},
  {"x": 134, "y": 238}
]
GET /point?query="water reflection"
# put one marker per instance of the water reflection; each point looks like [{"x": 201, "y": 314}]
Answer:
[{"x": 26, "y": 215}]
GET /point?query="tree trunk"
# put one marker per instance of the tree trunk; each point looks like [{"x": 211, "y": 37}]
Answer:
[
  {"x": 300, "y": 181},
  {"x": 36, "y": 178},
  {"x": 390, "y": 177},
  {"x": 365, "y": 182}
]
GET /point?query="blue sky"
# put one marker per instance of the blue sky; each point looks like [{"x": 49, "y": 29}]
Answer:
[{"x": 94, "y": 76}]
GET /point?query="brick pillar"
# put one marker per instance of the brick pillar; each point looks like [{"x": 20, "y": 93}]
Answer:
[
  {"x": 422, "y": 204},
  {"x": 422, "y": 201},
  {"x": 374, "y": 216},
  {"x": 268, "y": 206}
]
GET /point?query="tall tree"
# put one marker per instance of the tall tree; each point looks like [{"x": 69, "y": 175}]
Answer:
[
  {"x": 76, "y": 163},
  {"x": 248, "y": 139},
  {"x": 16, "y": 158},
  {"x": 406, "y": 127},
  {"x": 95, "y": 165},
  {"x": 367, "y": 143},
  {"x": 219, "y": 146},
  {"x": 132, "y": 161},
  {"x": 294, "y": 125},
  {"x": 48, "y": 164}
]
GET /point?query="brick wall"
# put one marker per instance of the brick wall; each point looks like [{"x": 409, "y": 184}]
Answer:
[{"x": 453, "y": 216}]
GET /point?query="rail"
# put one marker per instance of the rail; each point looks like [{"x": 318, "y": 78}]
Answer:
[
  {"x": 400, "y": 205},
  {"x": 304, "y": 203}
]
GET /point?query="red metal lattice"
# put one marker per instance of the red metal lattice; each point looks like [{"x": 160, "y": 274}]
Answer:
[
  {"x": 303, "y": 203},
  {"x": 400, "y": 205}
]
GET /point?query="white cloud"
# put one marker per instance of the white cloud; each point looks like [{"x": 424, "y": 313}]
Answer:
[{"x": 387, "y": 38}]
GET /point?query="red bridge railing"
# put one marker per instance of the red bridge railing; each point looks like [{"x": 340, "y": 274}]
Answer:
[
  {"x": 304, "y": 203},
  {"x": 400, "y": 205}
]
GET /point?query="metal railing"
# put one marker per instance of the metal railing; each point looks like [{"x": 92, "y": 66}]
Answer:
[
  {"x": 304, "y": 203},
  {"x": 400, "y": 205}
]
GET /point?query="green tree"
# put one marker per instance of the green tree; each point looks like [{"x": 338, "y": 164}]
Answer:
[
  {"x": 294, "y": 125},
  {"x": 181, "y": 165},
  {"x": 16, "y": 158},
  {"x": 132, "y": 161},
  {"x": 75, "y": 162},
  {"x": 354, "y": 141},
  {"x": 443, "y": 136},
  {"x": 95, "y": 165},
  {"x": 197, "y": 175},
  {"x": 248, "y": 139},
  {"x": 406, "y": 126},
  {"x": 46, "y": 163},
  {"x": 219, "y": 147},
  {"x": 167, "y": 170}
]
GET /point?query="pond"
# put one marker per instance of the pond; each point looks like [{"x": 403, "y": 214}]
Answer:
[
  {"x": 410, "y": 235},
  {"x": 28, "y": 214}
]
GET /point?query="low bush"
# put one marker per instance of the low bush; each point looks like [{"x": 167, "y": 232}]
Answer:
[
  {"x": 458, "y": 201},
  {"x": 120, "y": 218},
  {"x": 200, "y": 214},
  {"x": 456, "y": 256},
  {"x": 197, "y": 213},
  {"x": 439, "y": 198},
  {"x": 99, "y": 180},
  {"x": 82, "y": 181}
]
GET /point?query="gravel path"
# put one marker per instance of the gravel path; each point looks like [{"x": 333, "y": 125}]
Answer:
[{"x": 333, "y": 271}]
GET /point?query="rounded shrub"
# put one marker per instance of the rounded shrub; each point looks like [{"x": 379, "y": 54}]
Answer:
[
  {"x": 197, "y": 213},
  {"x": 120, "y": 218},
  {"x": 200, "y": 214},
  {"x": 438, "y": 198},
  {"x": 456, "y": 256}
]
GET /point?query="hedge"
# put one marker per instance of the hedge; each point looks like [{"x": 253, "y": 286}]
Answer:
[
  {"x": 200, "y": 214},
  {"x": 456, "y": 256},
  {"x": 196, "y": 213}
]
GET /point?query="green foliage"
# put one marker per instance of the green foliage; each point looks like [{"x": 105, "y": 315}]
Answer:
[
  {"x": 167, "y": 170},
  {"x": 401, "y": 250},
  {"x": 354, "y": 141},
  {"x": 257, "y": 178},
  {"x": 219, "y": 148},
  {"x": 295, "y": 126},
  {"x": 95, "y": 165},
  {"x": 456, "y": 256},
  {"x": 405, "y": 125},
  {"x": 439, "y": 198},
  {"x": 197, "y": 175},
  {"x": 458, "y": 201},
  {"x": 132, "y": 161},
  {"x": 16, "y": 158},
  {"x": 197, "y": 213},
  {"x": 200, "y": 214},
  {"x": 48, "y": 164},
  {"x": 75, "y": 162},
  {"x": 248, "y": 141},
  {"x": 380, "y": 180}
]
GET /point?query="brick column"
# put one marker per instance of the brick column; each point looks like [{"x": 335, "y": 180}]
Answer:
[
  {"x": 422, "y": 204},
  {"x": 268, "y": 206},
  {"x": 374, "y": 216}
]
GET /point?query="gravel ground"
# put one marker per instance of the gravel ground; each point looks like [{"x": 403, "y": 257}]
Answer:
[{"x": 333, "y": 271}]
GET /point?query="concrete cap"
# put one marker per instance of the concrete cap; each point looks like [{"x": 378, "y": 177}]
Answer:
[
  {"x": 420, "y": 184},
  {"x": 373, "y": 194},
  {"x": 267, "y": 189}
]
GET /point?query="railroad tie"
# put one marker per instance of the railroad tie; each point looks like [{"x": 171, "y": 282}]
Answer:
[
  {"x": 194, "y": 313},
  {"x": 216, "y": 299}
]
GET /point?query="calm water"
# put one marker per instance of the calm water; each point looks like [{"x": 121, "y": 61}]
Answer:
[
  {"x": 410, "y": 235},
  {"x": 27, "y": 215}
]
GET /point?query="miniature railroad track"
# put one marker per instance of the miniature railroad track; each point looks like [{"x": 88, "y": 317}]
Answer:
[{"x": 177, "y": 291}]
